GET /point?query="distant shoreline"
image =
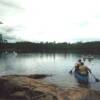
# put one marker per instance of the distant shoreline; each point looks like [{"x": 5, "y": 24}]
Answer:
[{"x": 51, "y": 47}]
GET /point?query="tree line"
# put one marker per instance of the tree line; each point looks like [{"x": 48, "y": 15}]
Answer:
[{"x": 29, "y": 47}]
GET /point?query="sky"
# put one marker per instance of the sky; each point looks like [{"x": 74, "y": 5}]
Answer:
[{"x": 50, "y": 20}]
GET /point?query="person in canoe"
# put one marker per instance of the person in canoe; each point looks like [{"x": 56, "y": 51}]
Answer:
[
  {"x": 81, "y": 74},
  {"x": 77, "y": 65},
  {"x": 83, "y": 69}
]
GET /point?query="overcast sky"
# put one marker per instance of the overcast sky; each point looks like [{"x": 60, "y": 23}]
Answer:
[{"x": 51, "y": 20}]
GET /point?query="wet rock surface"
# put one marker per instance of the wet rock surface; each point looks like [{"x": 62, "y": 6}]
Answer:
[{"x": 28, "y": 87}]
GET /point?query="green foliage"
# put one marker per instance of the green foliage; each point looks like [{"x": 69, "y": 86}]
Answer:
[
  {"x": 28, "y": 47},
  {"x": 1, "y": 39}
]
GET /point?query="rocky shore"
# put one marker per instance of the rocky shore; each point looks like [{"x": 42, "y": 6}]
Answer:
[{"x": 30, "y": 87}]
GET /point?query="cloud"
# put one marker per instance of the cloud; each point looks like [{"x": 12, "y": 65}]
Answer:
[
  {"x": 59, "y": 20},
  {"x": 1, "y": 22},
  {"x": 9, "y": 3}
]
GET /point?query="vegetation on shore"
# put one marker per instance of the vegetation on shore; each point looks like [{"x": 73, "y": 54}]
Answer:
[
  {"x": 50, "y": 47},
  {"x": 29, "y": 47}
]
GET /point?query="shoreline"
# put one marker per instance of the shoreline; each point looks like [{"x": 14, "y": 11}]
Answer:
[{"x": 30, "y": 87}]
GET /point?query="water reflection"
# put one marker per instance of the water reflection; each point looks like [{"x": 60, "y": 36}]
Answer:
[{"x": 58, "y": 65}]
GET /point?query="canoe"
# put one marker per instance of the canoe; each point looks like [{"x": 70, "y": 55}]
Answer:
[{"x": 81, "y": 78}]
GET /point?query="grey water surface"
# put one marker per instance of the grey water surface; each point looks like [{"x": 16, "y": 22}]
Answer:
[{"x": 58, "y": 65}]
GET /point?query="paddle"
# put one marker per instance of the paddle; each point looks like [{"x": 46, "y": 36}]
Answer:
[
  {"x": 71, "y": 70},
  {"x": 97, "y": 80}
]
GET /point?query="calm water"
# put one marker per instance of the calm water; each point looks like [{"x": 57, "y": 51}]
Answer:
[{"x": 56, "y": 64}]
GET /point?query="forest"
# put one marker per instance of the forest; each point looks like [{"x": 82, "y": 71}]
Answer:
[
  {"x": 43, "y": 47},
  {"x": 92, "y": 47}
]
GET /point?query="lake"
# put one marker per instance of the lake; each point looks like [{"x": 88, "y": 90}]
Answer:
[{"x": 58, "y": 65}]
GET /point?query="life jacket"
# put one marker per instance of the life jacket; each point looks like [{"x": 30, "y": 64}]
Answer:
[{"x": 83, "y": 70}]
